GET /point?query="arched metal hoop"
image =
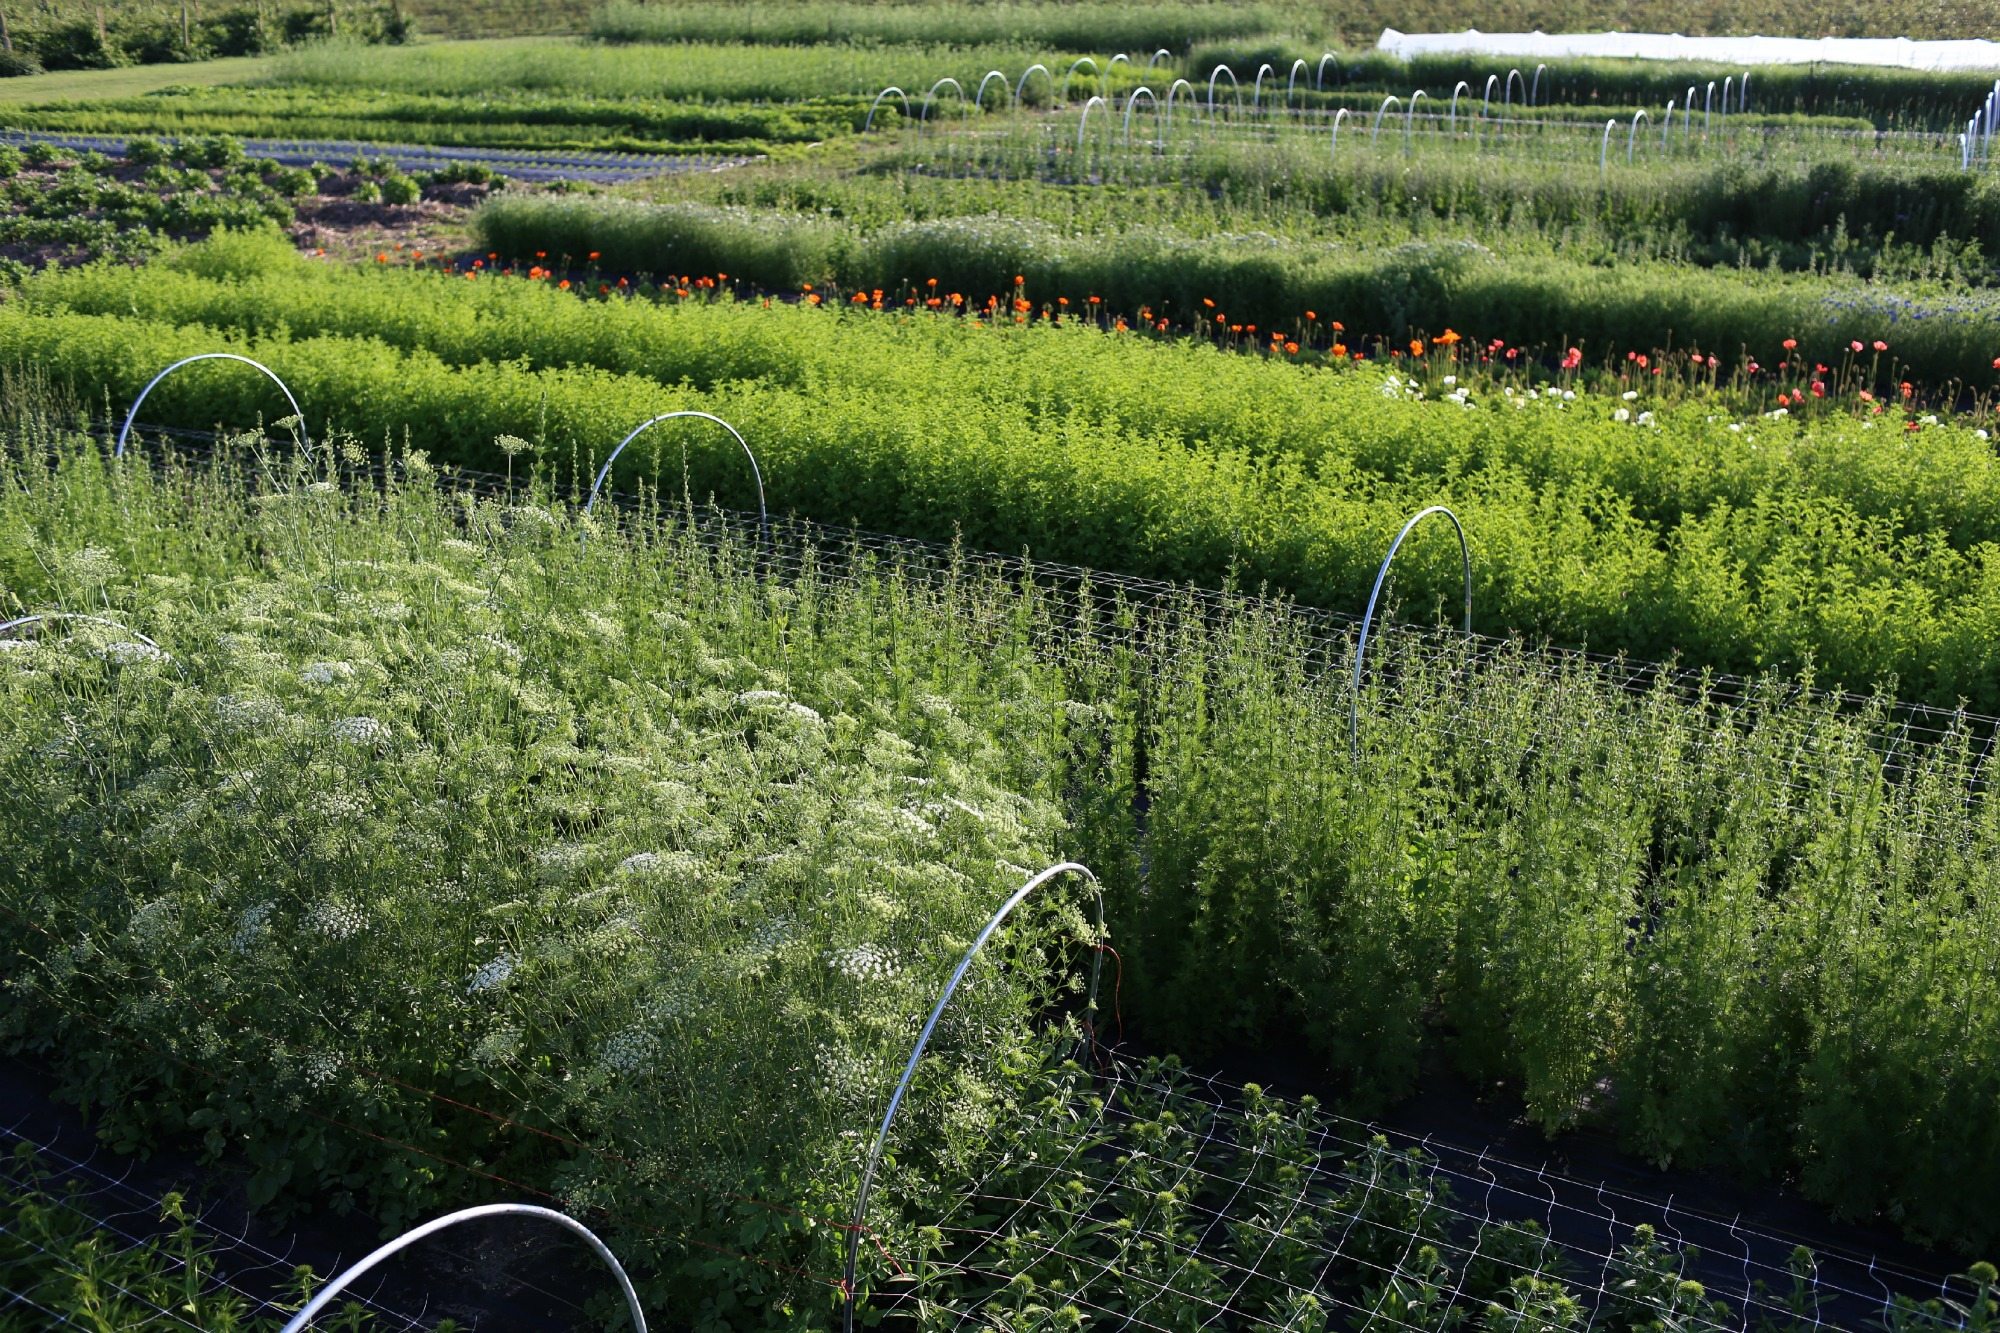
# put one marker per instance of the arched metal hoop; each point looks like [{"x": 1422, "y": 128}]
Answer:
[
  {"x": 1368, "y": 616},
  {"x": 133, "y": 414},
  {"x": 923, "y": 1040},
  {"x": 332, "y": 1289},
  {"x": 763, "y": 516},
  {"x": 1079, "y": 63},
  {"x": 876, "y": 105},
  {"x": 42, "y": 617}
]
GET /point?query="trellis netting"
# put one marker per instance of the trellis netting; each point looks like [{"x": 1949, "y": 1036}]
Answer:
[{"x": 1893, "y": 51}]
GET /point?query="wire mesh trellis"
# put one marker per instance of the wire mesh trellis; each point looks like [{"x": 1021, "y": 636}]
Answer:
[{"x": 1149, "y": 1198}]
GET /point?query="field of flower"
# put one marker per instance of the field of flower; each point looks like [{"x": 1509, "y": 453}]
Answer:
[
  {"x": 622, "y": 773},
  {"x": 380, "y": 825},
  {"x": 1683, "y": 521}
]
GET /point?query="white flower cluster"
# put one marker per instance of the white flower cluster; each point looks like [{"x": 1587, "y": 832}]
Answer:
[
  {"x": 125, "y": 653},
  {"x": 497, "y": 1046},
  {"x": 320, "y": 1069},
  {"x": 93, "y": 564},
  {"x": 336, "y": 919},
  {"x": 843, "y": 1075},
  {"x": 251, "y": 925},
  {"x": 325, "y": 673},
  {"x": 244, "y": 712},
  {"x": 771, "y": 699},
  {"x": 559, "y": 862},
  {"x": 361, "y": 730},
  {"x": 628, "y": 1050},
  {"x": 492, "y": 974},
  {"x": 863, "y": 962},
  {"x": 151, "y": 923}
]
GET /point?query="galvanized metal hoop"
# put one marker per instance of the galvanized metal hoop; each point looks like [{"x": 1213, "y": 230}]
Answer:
[
  {"x": 1021, "y": 88},
  {"x": 979, "y": 98},
  {"x": 757, "y": 473},
  {"x": 924, "y": 115},
  {"x": 876, "y": 105},
  {"x": 1076, "y": 65},
  {"x": 1141, "y": 91},
  {"x": 923, "y": 1040},
  {"x": 1235, "y": 88},
  {"x": 324, "y": 1297},
  {"x": 42, "y": 617},
  {"x": 133, "y": 414},
  {"x": 1368, "y": 616}
]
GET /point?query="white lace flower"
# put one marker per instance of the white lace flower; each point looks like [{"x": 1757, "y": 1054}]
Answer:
[
  {"x": 863, "y": 962},
  {"x": 124, "y": 653},
  {"x": 628, "y": 1050},
  {"x": 320, "y": 1069},
  {"x": 251, "y": 925},
  {"x": 359, "y": 731},
  {"x": 336, "y": 919},
  {"x": 489, "y": 975},
  {"x": 325, "y": 673}
]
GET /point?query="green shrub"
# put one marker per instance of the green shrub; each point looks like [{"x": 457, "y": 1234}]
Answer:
[
  {"x": 396, "y": 188},
  {"x": 211, "y": 152}
]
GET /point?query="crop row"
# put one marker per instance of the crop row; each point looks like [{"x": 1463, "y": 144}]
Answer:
[
  {"x": 681, "y": 848},
  {"x": 1417, "y": 289},
  {"x": 1863, "y": 544},
  {"x": 621, "y": 124},
  {"x": 435, "y": 809}
]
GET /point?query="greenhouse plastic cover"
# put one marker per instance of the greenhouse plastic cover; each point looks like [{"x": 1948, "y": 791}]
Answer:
[{"x": 1708, "y": 50}]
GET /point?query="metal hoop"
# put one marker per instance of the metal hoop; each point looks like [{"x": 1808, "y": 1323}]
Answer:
[
  {"x": 1080, "y": 61},
  {"x": 1083, "y": 121},
  {"x": 1132, "y": 102},
  {"x": 1257, "y": 93},
  {"x": 874, "y": 106},
  {"x": 1022, "y": 86},
  {"x": 133, "y": 414},
  {"x": 299, "y": 1321},
  {"x": 1381, "y": 111},
  {"x": 923, "y": 1039},
  {"x": 924, "y": 115},
  {"x": 979, "y": 98},
  {"x": 1234, "y": 87},
  {"x": 1368, "y": 616},
  {"x": 1292, "y": 80},
  {"x": 42, "y": 616},
  {"x": 763, "y": 516}
]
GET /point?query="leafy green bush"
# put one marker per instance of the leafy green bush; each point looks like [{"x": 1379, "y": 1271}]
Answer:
[
  {"x": 211, "y": 152},
  {"x": 398, "y": 188}
]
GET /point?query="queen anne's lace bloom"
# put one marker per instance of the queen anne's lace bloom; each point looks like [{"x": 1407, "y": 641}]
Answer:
[
  {"x": 489, "y": 975},
  {"x": 359, "y": 731}
]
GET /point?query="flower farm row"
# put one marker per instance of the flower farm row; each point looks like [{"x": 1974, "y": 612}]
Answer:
[
  {"x": 1626, "y": 518},
  {"x": 421, "y": 804}
]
